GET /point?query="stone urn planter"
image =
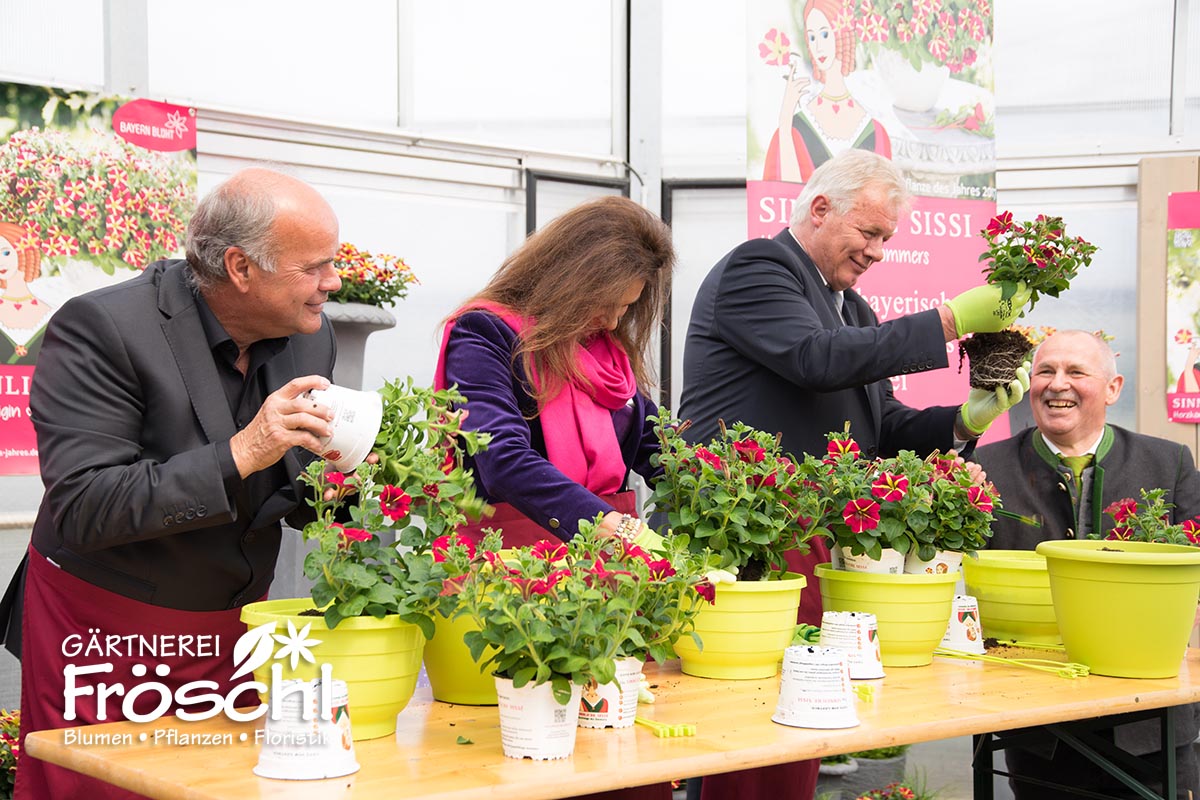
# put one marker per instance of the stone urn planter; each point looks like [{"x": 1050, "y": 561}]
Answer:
[{"x": 352, "y": 324}]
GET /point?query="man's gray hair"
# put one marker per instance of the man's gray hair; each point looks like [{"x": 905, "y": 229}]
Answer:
[
  {"x": 231, "y": 215},
  {"x": 842, "y": 177},
  {"x": 1108, "y": 358}
]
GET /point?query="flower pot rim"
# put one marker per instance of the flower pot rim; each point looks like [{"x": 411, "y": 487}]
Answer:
[
  {"x": 1009, "y": 559},
  {"x": 264, "y": 611},
  {"x": 1118, "y": 551},
  {"x": 827, "y": 570},
  {"x": 789, "y": 581}
]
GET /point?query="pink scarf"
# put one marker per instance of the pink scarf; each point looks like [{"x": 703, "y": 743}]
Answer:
[{"x": 577, "y": 422}]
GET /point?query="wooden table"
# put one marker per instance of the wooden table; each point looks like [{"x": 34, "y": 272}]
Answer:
[{"x": 734, "y": 731}]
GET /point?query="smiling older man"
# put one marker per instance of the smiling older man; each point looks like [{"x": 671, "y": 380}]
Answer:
[
  {"x": 1073, "y": 383},
  {"x": 1056, "y": 479}
]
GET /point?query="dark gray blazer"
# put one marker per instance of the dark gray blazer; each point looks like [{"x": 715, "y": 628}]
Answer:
[
  {"x": 133, "y": 431},
  {"x": 766, "y": 347},
  {"x": 1038, "y": 496},
  {"x": 1038, "y": 505}
]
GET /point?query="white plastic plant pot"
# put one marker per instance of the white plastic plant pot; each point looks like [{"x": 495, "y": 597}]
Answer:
[
  {"x": 356, "y": 419},
  {"x": 612, "y": 705},
  {"x": 815, "y": 689},
  {"x": 890, "y": 562},
  {"x": 965, "y": 630},
  {"x": 535, "y": 725},
  {"x": 942, "y": 563},
  {"x": 857, "y": 633},
  {"x": 294, "y": 748}
]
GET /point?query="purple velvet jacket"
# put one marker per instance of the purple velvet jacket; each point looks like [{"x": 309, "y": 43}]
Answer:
[{"x": 514, "y": 468}]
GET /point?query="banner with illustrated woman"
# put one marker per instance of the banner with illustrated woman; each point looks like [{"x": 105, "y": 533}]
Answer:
[
  {"x": 910, "y": 80},
  {"x": 92, "y": 189}
]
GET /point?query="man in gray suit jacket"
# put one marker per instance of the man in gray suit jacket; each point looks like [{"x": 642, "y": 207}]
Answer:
[
  {"x": 780, "y": 340},
  {"x": 1074, "y": 381},
  {"x": 171, "y": 428}
]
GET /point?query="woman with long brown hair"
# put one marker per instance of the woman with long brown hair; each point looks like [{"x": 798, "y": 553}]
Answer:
[{"x": 553, "y": 358}]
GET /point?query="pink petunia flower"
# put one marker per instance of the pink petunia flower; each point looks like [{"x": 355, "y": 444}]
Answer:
[{"x": 774, "y": 48}]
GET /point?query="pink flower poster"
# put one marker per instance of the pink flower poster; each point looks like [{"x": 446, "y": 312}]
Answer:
[
  {"x": 909, "y": 80},
  {"x": 92, "y": 189},
  {"x": 1183, "y": 307}
]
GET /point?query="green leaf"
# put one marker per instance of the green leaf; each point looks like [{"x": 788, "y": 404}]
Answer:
[{"x": 463, "y": 740}]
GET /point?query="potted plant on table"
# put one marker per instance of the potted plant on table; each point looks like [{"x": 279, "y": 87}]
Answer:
[
  {"x": 911, "y": 505},
  {"x": 553, "y": 618},
  {"x": 376, "y": 583},
  {"x": 1037, "y": 254},
  {"x": 739, "y": 498},
  {"x": 1141, "y": 577}
]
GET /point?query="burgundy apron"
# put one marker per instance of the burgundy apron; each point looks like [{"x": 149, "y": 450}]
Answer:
[{"x": 62, "y": 611}]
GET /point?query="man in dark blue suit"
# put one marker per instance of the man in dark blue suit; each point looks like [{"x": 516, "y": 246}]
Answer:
[{"x": 780, "y": 340}]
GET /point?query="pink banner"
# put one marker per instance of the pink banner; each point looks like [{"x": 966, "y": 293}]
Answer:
[
  {"x": 1183, "y": 307},
  {"x": 156, "y": 126},
  {"x": 18, "y": 446}
]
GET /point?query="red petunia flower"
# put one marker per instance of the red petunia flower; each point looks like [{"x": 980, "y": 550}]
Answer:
[
  {"x": 1001, "y": 223},
  {"x": 710, "y": 458},
  {"x": 353, "y": 534},
  {"x": 442, "y": 544},
  {"x": 549, "y": 551},
  {"x": 861, "y": 515},
  {"x": 979, "y": 497},
  {"x": 749, "y": 451},
  {"x": 890, "y": 487},
  {"x": 1122, "y": 510},
  {"x": 841, "y": 447},
  {"x": 708, "y": 591},
  {"x": 394, "y": 502}
]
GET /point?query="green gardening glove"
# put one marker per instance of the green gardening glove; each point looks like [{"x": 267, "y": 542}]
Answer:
[
  {"x": 988, "y": 308},
  {"x": 649, "y": 540},
  {"x": 983, "y": 406}
]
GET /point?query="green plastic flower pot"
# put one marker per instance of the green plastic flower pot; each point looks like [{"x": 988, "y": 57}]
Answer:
[
  {"x": 912, "y": 611},
  {"x": 453, "y": 674},
  {"x": 745, "y": 631},
  {"x": 1013, "y": 590},
  {"x": 1124, "y": 608},
  {"x": 379, "y": 659}
]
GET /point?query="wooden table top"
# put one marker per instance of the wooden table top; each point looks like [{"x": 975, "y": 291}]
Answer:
[{"x": 734, "y": 731}]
